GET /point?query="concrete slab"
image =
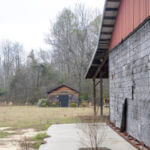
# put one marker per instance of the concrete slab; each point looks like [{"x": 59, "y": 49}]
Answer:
[{"x": 75, "y": 136}]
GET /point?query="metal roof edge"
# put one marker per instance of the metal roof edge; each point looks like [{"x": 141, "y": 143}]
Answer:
[{"x": 100, "y": 29}]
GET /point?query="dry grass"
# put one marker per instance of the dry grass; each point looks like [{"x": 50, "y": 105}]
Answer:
[{"x": 19, "y": 117}]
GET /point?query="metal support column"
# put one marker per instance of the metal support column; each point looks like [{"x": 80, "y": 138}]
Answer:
[{"x": 94, "y": 96}]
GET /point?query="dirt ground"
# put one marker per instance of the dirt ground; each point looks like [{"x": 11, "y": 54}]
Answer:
[{"x": 12, "y": 142}]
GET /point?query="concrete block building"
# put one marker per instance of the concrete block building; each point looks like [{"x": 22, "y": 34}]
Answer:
[{"x": 123, "y": 56}]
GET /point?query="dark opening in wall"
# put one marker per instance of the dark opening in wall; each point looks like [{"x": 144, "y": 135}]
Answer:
[
  {"x": 133, "y": 88},
  {"x": 112, "y": 76},
  {"x": 133, "y": 85},
  {"x": 124, "y": 116}
]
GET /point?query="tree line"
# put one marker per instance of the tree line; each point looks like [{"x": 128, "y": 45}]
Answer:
[{"x": 72, "y": 39}]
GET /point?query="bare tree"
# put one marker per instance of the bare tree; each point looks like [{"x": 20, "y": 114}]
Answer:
[
  {"x": 92, "y": 136},
  {"x": 72, "y": 42},
  {"x": 72, "y": 39},
  {"x": 11, "y": 57}
]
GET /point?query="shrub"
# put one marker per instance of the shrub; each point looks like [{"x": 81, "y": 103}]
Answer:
[
  {"x": 83, "y": 104},
  {"x": 73, "y": 105},
  {"x": 53, "y": 104},
  {"x": 2, "y": 92},
  {"x": 43, "y": 102},
  {"x": 44, "y": 105},
  {"x": 84, "y": 96}
]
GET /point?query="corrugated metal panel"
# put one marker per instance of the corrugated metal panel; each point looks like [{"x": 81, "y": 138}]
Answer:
[
  {"x": 131, "y": 14},
  {"x": 129, "y": 4}
]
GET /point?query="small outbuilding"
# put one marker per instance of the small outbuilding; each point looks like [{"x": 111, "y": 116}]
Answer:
[{"x": 63, "y": 96}]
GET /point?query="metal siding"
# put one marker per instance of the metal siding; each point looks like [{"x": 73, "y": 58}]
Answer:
[
  {"x": 126, "y": 20},
  {"x": 135, "y": 13},
  {"x": 131, "y": 14},
  {"x": 148, "y": 8},
  {"x": 123, "y": 20},
  {"x": 120, "y": 36},
  {"x": 142, "y": 14}
]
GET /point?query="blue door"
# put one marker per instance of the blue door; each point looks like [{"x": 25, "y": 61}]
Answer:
[{"x": 64, "y": 100}]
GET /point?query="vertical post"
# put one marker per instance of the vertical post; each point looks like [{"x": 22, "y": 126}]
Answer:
[
  {"x": 94, "y": 97},
  {"x": 101, "y": 96}
]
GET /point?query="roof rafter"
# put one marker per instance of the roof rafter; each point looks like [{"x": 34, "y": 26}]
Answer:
[
  {"x": 110, "y": 17},
  {"x": 111, "y": 9},
  {"x": 106, "y": 33},
  {"x": 108, "y": 25},
  {"x": 101, "y": 53},
  {"x": 101, "y": 65},
  {"x": 113, "y": 0}
]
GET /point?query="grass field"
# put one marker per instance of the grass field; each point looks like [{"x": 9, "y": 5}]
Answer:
[{"x": 19, "y": 117}]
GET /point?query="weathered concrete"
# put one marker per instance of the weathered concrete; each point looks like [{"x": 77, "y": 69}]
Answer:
[
  {"x": 73, "y": 136},
  {"x": 129, "y": 75}
]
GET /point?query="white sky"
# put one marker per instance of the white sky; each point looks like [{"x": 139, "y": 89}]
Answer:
[{"x": 27, "y": 21}]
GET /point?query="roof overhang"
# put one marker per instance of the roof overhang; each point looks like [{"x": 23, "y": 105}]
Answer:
[{"x": 99, "y": 62}]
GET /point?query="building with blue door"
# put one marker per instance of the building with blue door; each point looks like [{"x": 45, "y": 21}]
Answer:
[{"x": 63, "y": 96}]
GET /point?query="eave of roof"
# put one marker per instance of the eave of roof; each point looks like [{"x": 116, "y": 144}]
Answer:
[
  {"x": 56, "y": 88},
  {"x": 105, "y": 33}
]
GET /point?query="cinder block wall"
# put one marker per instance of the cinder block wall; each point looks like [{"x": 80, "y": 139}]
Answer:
[{"x": 129, "y": 76}]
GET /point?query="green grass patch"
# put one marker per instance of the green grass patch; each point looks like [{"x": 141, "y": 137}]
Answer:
[
  {"x": 39, "y": 139},
  {"x": 42, "y": 127},
  {"x": 5, "y": 134}
]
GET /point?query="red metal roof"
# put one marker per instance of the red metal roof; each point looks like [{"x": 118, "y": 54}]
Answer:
[{"x": 131, "y": 14}]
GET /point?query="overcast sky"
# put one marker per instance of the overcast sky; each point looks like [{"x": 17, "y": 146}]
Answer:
[{"x": 27, "y": 21}]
